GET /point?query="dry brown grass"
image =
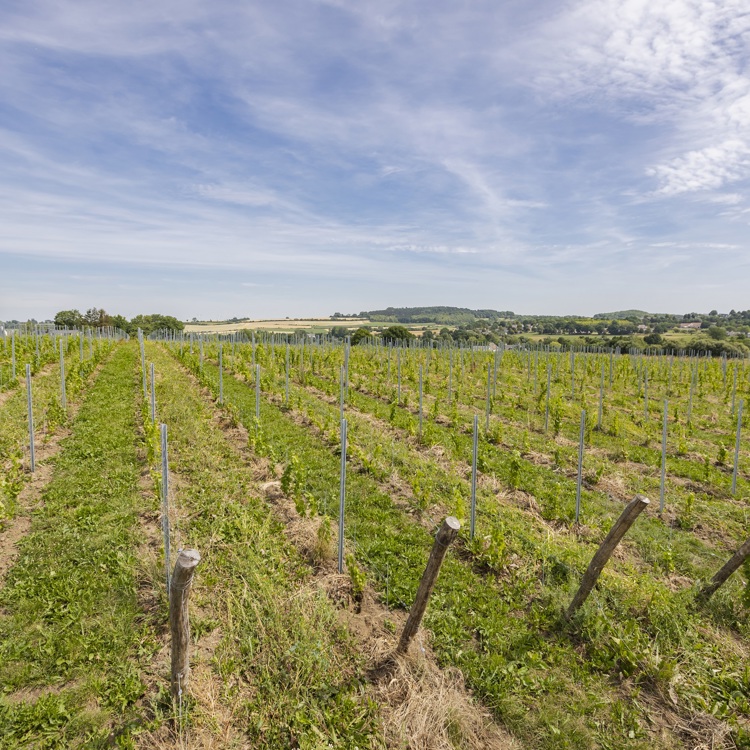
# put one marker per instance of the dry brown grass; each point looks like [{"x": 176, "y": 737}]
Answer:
[{"x": 424, "y": 707}]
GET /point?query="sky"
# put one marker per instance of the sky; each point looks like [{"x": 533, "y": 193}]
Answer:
[{"x": 295, "y": 158}]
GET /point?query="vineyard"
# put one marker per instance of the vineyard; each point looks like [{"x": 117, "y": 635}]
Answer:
[{"x": 535, "y": 452}]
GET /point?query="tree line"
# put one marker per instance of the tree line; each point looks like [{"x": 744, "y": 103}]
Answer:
[{"x": 99, "y": 318}]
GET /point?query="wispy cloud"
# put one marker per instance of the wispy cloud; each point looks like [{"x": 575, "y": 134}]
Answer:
[
  {"x": 679, "y": 64},
  {"x": 377, "y": 146},
  {"x": 707, "y": 169}
]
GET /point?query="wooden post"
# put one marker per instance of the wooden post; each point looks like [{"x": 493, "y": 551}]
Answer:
[
  {"x": 179, "y": 622},
  {"x": 616, "y": 533},
  {"x": 732, "y": 564},
  {"x": 446, "y": 534}
]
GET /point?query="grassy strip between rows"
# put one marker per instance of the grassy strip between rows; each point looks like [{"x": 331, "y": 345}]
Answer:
[
  {"x": 390, "y": 446},
  {"x": 696, "y": 492},
  {"x": 25, "y": 351},
  {"x": 669, "y": 550},
  {"x": 288, "y": 673},
  {"x": 603, "y": 685},
  {"x": 48, "y": 416},
  {"x": 72, "y": 634}
]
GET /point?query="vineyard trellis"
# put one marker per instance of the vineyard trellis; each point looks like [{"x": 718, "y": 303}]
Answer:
[
  {"x": 526, "y": 444},
  {"x": 536, "y": 453}
]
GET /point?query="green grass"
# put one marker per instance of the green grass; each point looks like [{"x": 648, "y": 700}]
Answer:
[
  {"x": 288, "y": 671},
  {"x": 72, "y": 634},
  {"x": 48, "y": 417},
  {"x": 501, "y": 623}
]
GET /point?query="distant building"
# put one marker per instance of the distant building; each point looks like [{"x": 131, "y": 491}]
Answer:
[{"x": 690, "y": 326}]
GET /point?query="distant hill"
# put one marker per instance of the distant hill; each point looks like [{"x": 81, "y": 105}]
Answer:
[
  {"x": 621, "y": 314},
  {"x": 438, "y": 315}
]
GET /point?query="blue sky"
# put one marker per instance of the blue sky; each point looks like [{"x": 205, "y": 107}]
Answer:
[{"x": 222, "y": 159}]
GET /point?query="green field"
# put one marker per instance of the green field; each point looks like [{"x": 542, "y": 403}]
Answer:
[{"x": 284, "y": 647}]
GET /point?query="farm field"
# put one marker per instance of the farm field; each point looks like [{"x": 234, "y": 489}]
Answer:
[
  {"x": 642, "y": 638},
  {"x": 311, "y": 326},
  {"x": 283, "y": 325},
  {"x": 285, "y": 648}
]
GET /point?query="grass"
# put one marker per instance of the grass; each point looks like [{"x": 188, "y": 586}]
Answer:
[
  {"x": 285, "y": 670},
  {"x": 48, "y": 417},
  {"x": 642, "y": 665},
  {"x": 72, "y": 633},
  {"x": 499, "y": 619}
]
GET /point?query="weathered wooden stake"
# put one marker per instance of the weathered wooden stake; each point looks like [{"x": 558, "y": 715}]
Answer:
[
  {"x": 734, "y": 562},
  {"x": 446, "y": 534},
  {"x": 616, "y": 533},
  {"x": 179, "y": 622}
]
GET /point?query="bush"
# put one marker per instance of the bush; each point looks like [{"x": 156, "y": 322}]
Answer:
[{"x": 397, "y": 333}]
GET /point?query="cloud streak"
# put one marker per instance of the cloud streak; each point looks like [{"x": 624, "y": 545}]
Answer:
[{"x": 378, "y": 144}]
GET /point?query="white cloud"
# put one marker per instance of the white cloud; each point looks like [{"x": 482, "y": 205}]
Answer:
[
  {"x": 433, "y": 249},
  {"x": 728, "y": 199},
  {"x": 707, "y": 169},
  {"x": 681, "y": 63},
  {"x": 373, "y": 140}
]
